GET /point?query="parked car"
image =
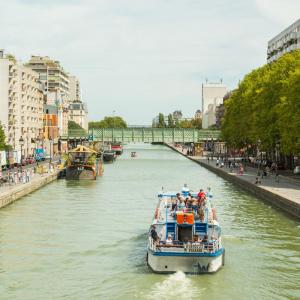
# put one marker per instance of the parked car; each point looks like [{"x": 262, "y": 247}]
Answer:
[{"x": 297, "y": 170}]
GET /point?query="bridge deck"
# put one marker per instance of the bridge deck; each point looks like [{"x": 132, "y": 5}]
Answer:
[{"x": 147, "y": 135}]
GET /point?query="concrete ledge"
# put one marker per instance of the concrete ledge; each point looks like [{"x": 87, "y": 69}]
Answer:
[
  {"x": 287, "y": 205},
  {"x": 17, "y": 192}
]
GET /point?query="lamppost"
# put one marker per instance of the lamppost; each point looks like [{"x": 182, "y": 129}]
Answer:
[
  {"x": 21, "y": 142},
  {"x": 50, "y": 145}
]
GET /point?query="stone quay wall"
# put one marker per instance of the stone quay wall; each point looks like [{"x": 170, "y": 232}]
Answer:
[{"x": 14, "y": 193}]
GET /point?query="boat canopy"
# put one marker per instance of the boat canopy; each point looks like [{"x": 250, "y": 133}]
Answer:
[{"x": 82, "y": 149}]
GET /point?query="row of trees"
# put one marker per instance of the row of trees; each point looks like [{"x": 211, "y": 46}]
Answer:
[
  {"x": 264, "y": 111},
  {"x": 171, "y": 123},
  {"x": 108, "y": 122}
]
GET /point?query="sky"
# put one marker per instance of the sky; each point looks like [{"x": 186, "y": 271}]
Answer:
[{"x": 136, "y": 58}]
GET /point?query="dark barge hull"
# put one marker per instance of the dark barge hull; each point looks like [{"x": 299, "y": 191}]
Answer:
[{"x": 80, "y": 173}]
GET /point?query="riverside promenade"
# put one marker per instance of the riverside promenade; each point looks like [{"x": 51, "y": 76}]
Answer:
[
  {"x": 9, "y": 194},
  {"x": 282, "y": 192}
]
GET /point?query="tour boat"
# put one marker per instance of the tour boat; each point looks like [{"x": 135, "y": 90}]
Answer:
[
  {"x": 182, "y": 239},
  {"x": 117, "y": 147},
  {"x": 83, "y": 163}
]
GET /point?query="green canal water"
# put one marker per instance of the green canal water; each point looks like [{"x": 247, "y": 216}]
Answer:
[{"x": 87, "y": 240}]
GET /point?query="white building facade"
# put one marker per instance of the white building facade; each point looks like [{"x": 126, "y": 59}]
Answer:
[
  {"x": 79, "y": 114},
  {"x": 286, "y": 41},
  {"x": 212, "y": 96},
  {"x": 21, "y": 101}
]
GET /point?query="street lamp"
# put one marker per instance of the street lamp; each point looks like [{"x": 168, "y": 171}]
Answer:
[
  {"x": 50, "y": 144},
  {"x": 21, "y": 142}
]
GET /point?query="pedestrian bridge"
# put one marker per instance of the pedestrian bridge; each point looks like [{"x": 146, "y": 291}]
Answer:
[{"x": 146, "y": 134}]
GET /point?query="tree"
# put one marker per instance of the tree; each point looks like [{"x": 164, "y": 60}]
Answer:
[
  {"x": 266, "y": 107},
  {"x": 161, "y": 120},
  {"x": 171, "y": 123},
  {"x": 74, "y": 125},
  {"x": 3, "y": 145},
  {"x": 108, "y": 122}
]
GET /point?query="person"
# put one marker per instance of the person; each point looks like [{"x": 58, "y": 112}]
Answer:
[
  {"x": 208, "y": 159},
  {"x": 154, "y": 234},
  {"x": 241, "y": 171},
  {"x": 181, "y": 205},
  {"x": 27, "y": 175},
  {"x": 16, "y": 177},
  {"x": 201, "y": 194},
  {"x": 179, "y": 198},
  {"x": 205, "y": 239},
  {"x": 196, "y": 239},
  {"x": 169, "y": 240},
  {"x": 218, "y": 161},
  {"x": 185, "y": 190},
  {"x": 257, "y": 181}
]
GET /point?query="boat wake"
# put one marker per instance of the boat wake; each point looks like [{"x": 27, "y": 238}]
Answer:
[{"x": 177, "y": 286}]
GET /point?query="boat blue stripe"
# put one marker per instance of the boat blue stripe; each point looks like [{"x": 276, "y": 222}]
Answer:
[{"x": 219, "y": 252}]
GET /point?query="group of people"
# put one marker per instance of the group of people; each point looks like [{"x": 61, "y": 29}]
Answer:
[
  {"x": 186, "y": 202},
  {"x": 16, "y": 177}
]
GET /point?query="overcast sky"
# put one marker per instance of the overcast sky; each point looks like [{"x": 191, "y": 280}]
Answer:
[{"x": 141, "y": 57}]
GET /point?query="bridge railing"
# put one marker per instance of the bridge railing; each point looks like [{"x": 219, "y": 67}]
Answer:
[{"x": 148, "y": 135}]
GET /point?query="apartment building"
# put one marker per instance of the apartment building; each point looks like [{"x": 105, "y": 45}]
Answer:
[
  {"x": 74, "y": 87},
  {"x": 286, "y": 41},
  {"x": 52, "y": 75},
  {"x": 56, "y": 85},
  {"x": 212, "y": 96},
  {"x": 21, "y": 99}
]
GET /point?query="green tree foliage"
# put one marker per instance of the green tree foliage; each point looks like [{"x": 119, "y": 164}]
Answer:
[
  {"x": 193, "y": 123},
  {"x": 266, "y": 107},
  {"x": 171, "y": 123},
  {"x": 74, "y": 125},
  {"x": 3, "y": 145},
  {"x": 161, "y": 120},
  {"x": 108, "y": 122}
]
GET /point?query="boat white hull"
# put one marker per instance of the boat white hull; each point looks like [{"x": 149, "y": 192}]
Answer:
[{"x": 188, "y": 264}]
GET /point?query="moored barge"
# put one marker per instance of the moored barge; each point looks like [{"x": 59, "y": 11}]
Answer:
[{"x": 83, "y": 163}]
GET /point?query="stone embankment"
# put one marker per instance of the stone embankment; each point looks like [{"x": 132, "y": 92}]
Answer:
[
  {"x": 10, "y": 194},
  {"x": 283, "y": 193}
]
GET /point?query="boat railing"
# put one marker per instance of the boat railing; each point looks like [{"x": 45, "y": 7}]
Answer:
[
  {"x": 200, "y": 247},
  {"x": 152, "y": 244}
]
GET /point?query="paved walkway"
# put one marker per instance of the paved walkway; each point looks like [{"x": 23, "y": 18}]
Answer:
[
  {"x": 283, "y": 191},
  {"x": 282, "y": 186}
]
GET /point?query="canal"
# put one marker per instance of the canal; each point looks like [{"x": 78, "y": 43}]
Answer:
[{"x": 87, "y": 240}]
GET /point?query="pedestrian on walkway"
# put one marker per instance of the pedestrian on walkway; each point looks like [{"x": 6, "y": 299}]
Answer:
[
  {"x": 27, "y": 175},
  {"x": 24, "y": 177},
  {"x": 16, "y": 179}
]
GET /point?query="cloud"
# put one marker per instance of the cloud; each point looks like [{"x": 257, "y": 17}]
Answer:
[
  {"x": 140, "y": 57},
  {"x": 278, "y": 11}
]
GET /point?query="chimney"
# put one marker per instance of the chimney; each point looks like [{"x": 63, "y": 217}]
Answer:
[{"x": 1, "y": 53}]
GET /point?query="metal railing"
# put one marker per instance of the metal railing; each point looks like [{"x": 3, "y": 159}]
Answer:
[
  {"x": 199, "y": 247},
  {"x": 146, "y": 134}
]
